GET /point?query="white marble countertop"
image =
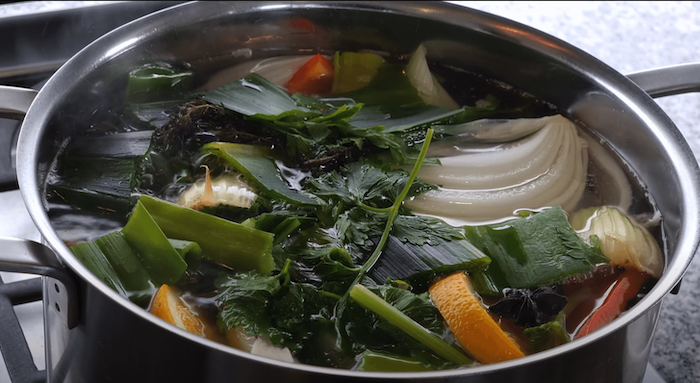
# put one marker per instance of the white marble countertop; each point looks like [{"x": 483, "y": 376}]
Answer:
[{"x": 629, "y": 37}]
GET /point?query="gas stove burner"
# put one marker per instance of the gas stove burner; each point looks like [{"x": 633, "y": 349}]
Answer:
[{"x": 17, "y": 353}]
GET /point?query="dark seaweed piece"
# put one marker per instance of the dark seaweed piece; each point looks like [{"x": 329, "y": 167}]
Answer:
[
  {"x": 530, "y": 307},
  {"x": 197, "y": 122}
]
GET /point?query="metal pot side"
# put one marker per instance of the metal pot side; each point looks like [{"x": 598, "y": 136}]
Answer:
[{"x": 118, "y": 341}]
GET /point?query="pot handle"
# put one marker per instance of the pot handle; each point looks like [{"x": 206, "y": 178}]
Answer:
[
  {"x": 23, "y": 256},
  {"x": 668, "y": 81},
  {"x": 15, "y": 101}
]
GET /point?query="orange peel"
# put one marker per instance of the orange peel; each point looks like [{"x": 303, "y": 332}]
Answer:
[
  {"x": 168, "y": 305},
  {"x": 471, "y": 324}
]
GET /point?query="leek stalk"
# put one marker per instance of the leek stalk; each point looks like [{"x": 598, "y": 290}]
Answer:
[
  {"x": 94, "y": 259},
  {"x": 240, "y": 247},
  {"x": 429, "y": 89},
  {"x": 126, "y": 263},
  {"x": 190, "y": 251},
  {"x": 379, "y": 361},
  {"x": 162, "y": 262},
  {"x": 370, "y": 301},
  {"x": 627, "y": 243}
]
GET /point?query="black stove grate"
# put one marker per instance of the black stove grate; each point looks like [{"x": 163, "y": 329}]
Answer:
[{"x": 14, "y": 347}]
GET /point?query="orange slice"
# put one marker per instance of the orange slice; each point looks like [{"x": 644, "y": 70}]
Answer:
[
  {"x": 469, "y": 321},
  {"x": 168, "y": 305}
]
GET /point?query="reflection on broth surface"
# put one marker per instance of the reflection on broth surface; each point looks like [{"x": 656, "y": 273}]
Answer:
[{"x": 356, "y": 211}]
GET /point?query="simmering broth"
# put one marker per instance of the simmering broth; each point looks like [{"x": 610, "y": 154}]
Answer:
[{"x": 326, "y": 221}]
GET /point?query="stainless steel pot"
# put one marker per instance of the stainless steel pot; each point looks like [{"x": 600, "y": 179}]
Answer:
[{"x": 93, "y": 335}]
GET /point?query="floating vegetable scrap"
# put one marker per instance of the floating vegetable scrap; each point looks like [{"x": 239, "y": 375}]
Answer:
[
  {"x": 362, "y": 212},
  {"x": 529, "y": 307}
]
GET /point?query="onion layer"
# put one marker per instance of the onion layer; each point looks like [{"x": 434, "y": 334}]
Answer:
[
  {"x": 429, "y": 89},
  {"x": 547, "y": 168},
  {"x": 277, "y": 70}
]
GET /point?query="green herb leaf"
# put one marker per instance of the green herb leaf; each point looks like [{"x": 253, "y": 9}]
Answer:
[
  {"x": 363, "y": 183},
  {"x": 246, "y": 298}
]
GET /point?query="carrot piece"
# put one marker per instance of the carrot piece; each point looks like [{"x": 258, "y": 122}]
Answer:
[
  {"x": 624, "y": 289},
  {"x": 469, "y": 321},
  {"x": 314, "y": 77},
  {"x": 302, "y": 24}
]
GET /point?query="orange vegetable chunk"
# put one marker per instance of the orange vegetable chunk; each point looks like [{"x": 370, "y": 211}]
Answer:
[
  {"x": 314, "y": 77},
  {"x": 472, "y": 325},
  {"x": 624, "y": 289}
]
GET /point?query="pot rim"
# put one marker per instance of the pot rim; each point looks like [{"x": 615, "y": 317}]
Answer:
[{"x": 128, "y": 37}]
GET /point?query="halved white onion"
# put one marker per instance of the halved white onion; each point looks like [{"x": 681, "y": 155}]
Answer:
[{"x": 547, "y": 168}]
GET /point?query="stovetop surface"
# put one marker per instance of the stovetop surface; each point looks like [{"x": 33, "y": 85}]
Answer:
[{"x": 628, "y": 36}]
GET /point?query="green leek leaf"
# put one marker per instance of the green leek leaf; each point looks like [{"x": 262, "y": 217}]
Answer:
[
  {"x": 240, "y": 247},
  {"x": 120, "y": 145},
  {"x": 255, "y": 96},
  {"x": 545, "y": 336},
  {"x": 126, "y": 263},
  {"x": 155, "y": 113},
  {"x": 414, "y": 118},
  {"x": 154, "y": 82},
  {"x": 380, "y": 361},
  {"x": 106, "y": 184},
  {"x": 163, "y": 263},
  {"x": 530, "y": 252},
  {"x": 190, "y": 251},
  {"x": 421, "y": 249},
  {"x": 256, "y": 165},
  {"x": 94, "y": 259}
]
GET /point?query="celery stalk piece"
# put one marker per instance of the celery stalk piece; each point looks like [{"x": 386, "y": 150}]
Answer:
[
  {"x": 352, "y": 71},
  {"x": 126, "y": 263},
  {"x": 163, "y": 263},
  {"x": 94, "y": 259},
  {"x": 379, "y": 361},
  {"x": 190, "y": 251},
  {"x": 285, "y": 228},
  {"x": 255, "y": 163},
  {"x": 241, "y": 247},
  {"x": 372, "y": 302}
]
